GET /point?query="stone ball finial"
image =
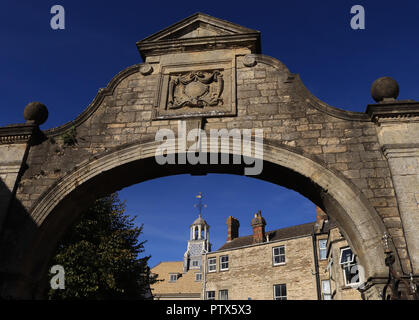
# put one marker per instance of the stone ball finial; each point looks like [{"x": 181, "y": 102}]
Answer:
[
  {"x": 384, "y": 88},
  {"x": 36, "y": 112}
]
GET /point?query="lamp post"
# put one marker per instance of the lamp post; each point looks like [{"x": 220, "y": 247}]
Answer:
[{"x": 389, "y": 261}]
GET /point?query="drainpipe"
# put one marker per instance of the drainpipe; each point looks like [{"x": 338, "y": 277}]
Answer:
[
  {"x": 316, "y": 265},
  {"x": 205, "y": 275}
]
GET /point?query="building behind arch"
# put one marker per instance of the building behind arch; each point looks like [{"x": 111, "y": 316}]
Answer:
[{"x": 310, "y": 261}]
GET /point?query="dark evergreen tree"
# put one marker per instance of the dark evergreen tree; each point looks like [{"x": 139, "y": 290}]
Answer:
[{"x": 101, "y": 256}]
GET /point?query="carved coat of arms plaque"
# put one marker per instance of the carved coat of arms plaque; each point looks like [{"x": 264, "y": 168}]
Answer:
[{"x": 196, "y": 90}]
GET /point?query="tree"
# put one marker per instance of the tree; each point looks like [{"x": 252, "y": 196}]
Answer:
[{"x": 100, "y": 256}]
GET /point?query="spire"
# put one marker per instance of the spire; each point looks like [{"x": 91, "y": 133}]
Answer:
[
  {"x": 199, "y": 226},
  {"x": 199, "y": 239}
]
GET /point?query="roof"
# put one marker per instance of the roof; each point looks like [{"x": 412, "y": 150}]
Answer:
[
  {"x": 200, "y": 221},
  {"x": 328, "y": 225},
  {"x": 275, "y": 235},
  {"x": 184, "y": 285},
  {"x": 170, "y": 266}
]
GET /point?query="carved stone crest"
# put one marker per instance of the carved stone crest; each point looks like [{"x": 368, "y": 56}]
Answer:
[
  {"x": 196, "y": 89},
  {"x": 191, "y": 89}
]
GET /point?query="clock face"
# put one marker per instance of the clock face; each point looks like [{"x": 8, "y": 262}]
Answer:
[{"x": 195, "y": 249}]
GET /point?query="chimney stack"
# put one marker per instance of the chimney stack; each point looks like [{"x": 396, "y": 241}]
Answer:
[
  {"x": 258, "y": 224},
  {"x": 232, "y": 228}
]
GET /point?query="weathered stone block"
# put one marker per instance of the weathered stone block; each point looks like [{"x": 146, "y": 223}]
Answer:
[
  {"x": 262, "y": 109},
  {"x": 334, "y": 148}
]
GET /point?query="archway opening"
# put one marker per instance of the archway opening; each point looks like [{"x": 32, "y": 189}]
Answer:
[{"x": 361, "y": 231}]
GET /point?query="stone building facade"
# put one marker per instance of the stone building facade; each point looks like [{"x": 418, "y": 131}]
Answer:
[
  {"x": 301, "y": 262},
  {"x": 289, "y": 263}
]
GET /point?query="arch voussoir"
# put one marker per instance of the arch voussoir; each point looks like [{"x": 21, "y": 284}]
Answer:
[{"x": 360, "y": 219}]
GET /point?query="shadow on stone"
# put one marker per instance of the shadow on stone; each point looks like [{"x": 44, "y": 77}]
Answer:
[{"x": 16, "y": 231}]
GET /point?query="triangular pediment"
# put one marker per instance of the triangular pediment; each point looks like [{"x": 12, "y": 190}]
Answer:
[{"x": 196, "y": 29}]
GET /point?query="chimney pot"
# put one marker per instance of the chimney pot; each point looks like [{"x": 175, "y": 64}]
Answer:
[
  {"x": 258, "y": 224},
  {"x": 233, "y": 225}
]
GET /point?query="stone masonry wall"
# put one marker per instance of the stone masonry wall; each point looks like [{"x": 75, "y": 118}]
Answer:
[
  {"x": 252, "y": 275},
  {"x": 10, "y": 164},
  {"x": 268, "y": 97},
  {"x": 400, "y": 142}
]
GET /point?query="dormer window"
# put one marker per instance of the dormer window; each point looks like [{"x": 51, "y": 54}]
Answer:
[
  {"x": 198, "y": 277},
  {"x": 173, "y": 277}
]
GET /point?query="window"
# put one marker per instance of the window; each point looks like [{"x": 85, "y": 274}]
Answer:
[
  {"x": 198, "y": 276},
  {"x": 212, "y": 264},
  {"x": 351, "y": 274},
  {"x": 323, "y": 249},
  {"x": 223, "y": 263},
  {"x": 346, "y": 256},
  {"x": 195, "y": 263},
  {"x": 210, "y": 295},
  {"x": 278, "y": 255},
  {"x": 349, "y": 265},
  {"x": 280, "y": 292},
  {"x": 223, "y": 295},
  {"x": 173, "y": 278},
  {"x": 326, "y": 291}
]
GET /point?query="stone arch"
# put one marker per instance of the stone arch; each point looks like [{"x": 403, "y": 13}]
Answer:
[
  {"x": 360, "y": 167},
  {"x": 133, "y": 163}
]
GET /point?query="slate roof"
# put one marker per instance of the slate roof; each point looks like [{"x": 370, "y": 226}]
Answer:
[
  {"x": 275, "y": 235},
  {"x": 184, "y": 285},
  {"x": 280, "y": 234}
]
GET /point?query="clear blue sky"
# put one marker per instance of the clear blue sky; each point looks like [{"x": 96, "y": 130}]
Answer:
[{"x": 64, "y": 69}]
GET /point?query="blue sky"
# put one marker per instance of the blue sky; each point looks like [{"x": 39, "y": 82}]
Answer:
[
  {"x": 64, "y": 69},
  {"x": 166, "y": 207}
]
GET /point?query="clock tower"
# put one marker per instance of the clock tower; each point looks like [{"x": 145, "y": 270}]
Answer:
[{"x": 198, "y": 243}]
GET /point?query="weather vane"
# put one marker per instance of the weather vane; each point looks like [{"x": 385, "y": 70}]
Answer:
[{"x": 200, "y": 205}]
